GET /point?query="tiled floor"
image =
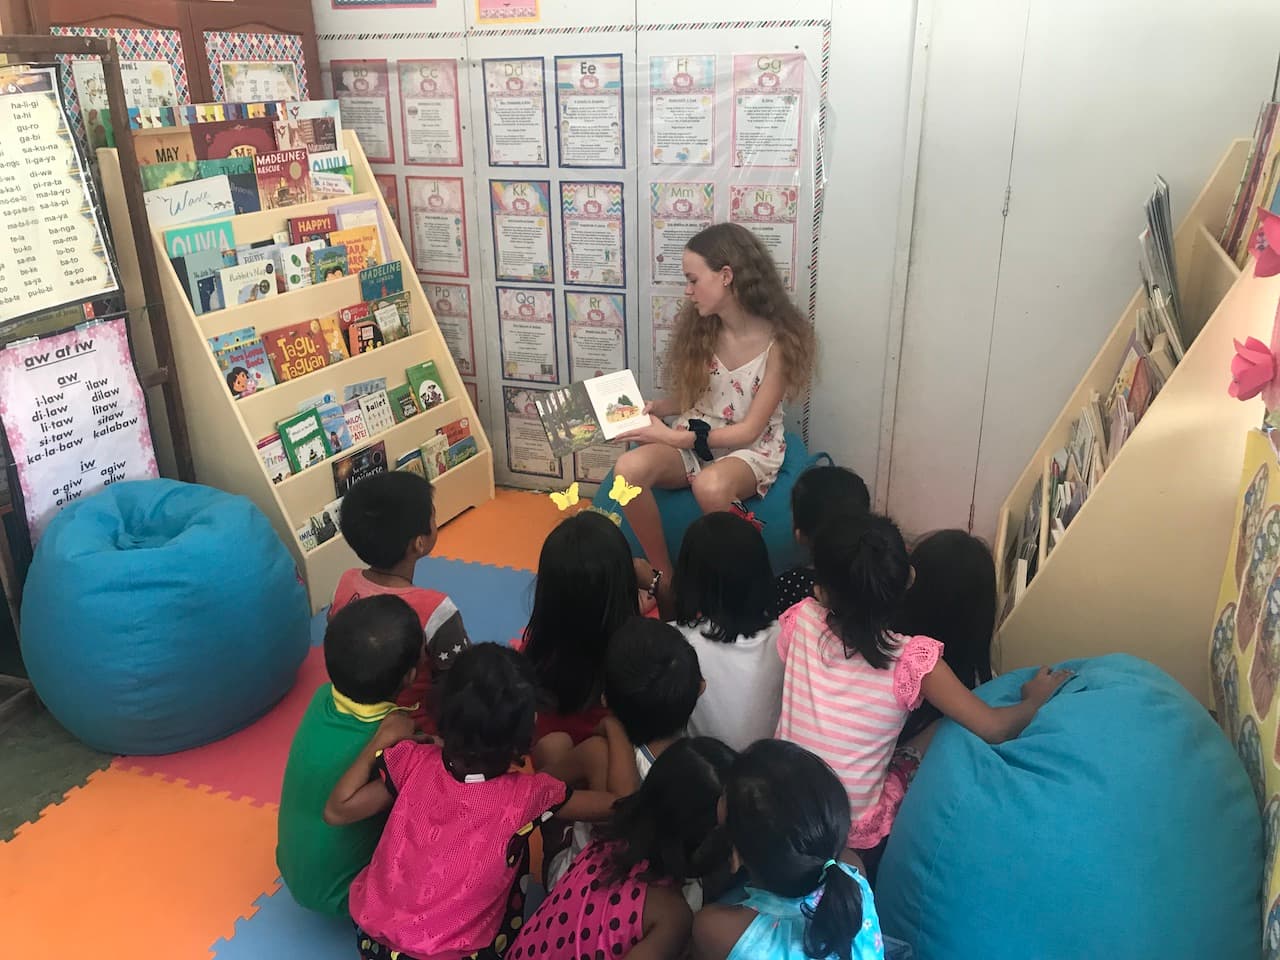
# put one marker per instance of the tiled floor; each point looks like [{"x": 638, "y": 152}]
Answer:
[{"x": 174, "y": 856}]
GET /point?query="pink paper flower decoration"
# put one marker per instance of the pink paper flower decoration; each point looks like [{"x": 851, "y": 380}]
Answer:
[
  {"x": 1255, "y": 369},
  {"x": 1266, "y": 244}
]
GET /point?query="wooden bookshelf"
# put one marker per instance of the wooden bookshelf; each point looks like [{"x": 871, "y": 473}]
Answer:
[
  {"x": 1139, "y": 568},
  {"x": 224, "y": 432}
]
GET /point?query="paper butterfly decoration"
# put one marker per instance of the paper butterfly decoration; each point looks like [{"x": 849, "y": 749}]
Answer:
[
  {"x": 567, "y": 499},
  {"x": 622, "y": 492}
]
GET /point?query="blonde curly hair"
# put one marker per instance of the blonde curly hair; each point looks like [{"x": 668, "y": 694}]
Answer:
[{"x": 759, "y": 290}]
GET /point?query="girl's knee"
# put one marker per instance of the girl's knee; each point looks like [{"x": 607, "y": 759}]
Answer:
[
  {"x": 711, "y": 489},
  {"x": 635, "y": 465}
]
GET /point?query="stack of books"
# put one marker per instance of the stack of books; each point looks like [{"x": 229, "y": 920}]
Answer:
[{"x": 1259, "y": 187}]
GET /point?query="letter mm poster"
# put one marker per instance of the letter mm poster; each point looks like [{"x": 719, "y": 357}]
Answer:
[
  {"x": 677, "y": 212},
  {"x": 75, "y": 417}
]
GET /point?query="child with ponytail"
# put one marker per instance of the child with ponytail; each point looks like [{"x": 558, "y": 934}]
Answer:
[{"x": 787, "y": 816}]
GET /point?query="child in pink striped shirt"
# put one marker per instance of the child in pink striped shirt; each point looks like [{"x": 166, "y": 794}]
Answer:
[{"x": 850, "y": 683}]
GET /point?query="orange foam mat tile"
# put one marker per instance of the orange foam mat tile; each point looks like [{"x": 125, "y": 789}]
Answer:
[
  {"x": 131, "y": 865},
  {"x": 505, "y": 532}
]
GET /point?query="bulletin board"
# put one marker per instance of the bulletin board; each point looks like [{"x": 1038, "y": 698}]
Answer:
[{"x": 546, "y": 177}]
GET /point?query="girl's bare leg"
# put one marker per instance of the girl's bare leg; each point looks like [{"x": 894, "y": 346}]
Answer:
[
  {"x": 652, "y": 465},
  {"x": 718, "y": 484}
]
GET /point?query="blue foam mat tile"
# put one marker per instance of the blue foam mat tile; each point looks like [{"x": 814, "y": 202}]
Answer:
[
  {"x": 281, "y": 928},
  {"x": 494, "y": 601}
]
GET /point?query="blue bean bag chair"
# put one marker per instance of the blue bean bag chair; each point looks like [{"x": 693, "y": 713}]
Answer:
[
  {"x": 159, "y": 616},
  {"x": 1120, "y": 824},
  {"x": 679, "y": 509}
]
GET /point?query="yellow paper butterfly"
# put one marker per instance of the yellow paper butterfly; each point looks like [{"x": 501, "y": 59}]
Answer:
[
  {"x": 567, "y": 499},
  {"x": 622, "y": 491}
]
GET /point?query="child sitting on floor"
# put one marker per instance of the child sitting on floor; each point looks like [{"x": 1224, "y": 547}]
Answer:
[
  {"x": 651, "y": 683},
  {"x": 849, "y": 682},
  {"x": 819, "y": 494},
  {"x": 622, "y": 892},
  {"x": 389, "y": 520},
  {"x": 585, "y": 590},
  {"x": 723, "y": 595},
  {"x": 370, "y": 649},
  {"x": 444, "y": 879},
  {"x": 787, "y": 817}
]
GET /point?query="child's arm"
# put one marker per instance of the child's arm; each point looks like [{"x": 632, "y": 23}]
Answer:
[
  {"x": 942, "y": 688},
  {"x": 358, "y": 794},
  {"x": 667, "y": 924},
  {"x": 605, "y": 762},
  {"x": 589, "y": 806}
]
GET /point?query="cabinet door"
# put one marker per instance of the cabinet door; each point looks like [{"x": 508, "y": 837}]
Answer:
[{"x": 248, "y": 45}]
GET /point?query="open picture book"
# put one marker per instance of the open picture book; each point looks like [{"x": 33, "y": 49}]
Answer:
[{"x": 592, "y": 411}]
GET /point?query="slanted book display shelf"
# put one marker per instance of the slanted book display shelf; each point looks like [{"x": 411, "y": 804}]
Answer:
[
  {"x": 225, "y": 431},
  {"x": 1139, "y": 567}
]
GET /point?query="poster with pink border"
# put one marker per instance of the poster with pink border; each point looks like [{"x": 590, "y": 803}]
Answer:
[
  {"x": 363, "y": 91},
  {"x": 75, "y": 417},
  {"x": 768, "y": 102},
  {"x": 391, "y": 194},
  {"x": 430, "y": 117},
  {"x": 438, "y": 225},
  {"x": 451, "y": 303},
  {"x": 770, "y": 213}
]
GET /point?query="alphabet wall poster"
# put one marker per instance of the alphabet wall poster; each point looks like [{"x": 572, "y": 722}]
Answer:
[
  {"x": 429, "y": 112},
  {"x": 589, "y": 111},
  {"x": 521, "y": 213},
  {"x": 528, "y": 450},
  {"x": 597, "y": 325},
  {"x": 592, "y": 464},
  {"x": 592, "y": 234},
  {"x": 768, "y": 95},
  {"x": 682, "y": 110},
  {"x": 438, "y": 215},
  {"x": 363, "y": 91},
  {"x": 769, "y": 213},
  {"x": 677, "y": 212},
  {"x": 515, "y": 112},
  {"x": 256, "y": 81},
  {"x": 665, "y": 311},
  {"x": 451, "y": 303},
  {"x": 75, "y": 417},
  {"x": 527, "y": 335}
]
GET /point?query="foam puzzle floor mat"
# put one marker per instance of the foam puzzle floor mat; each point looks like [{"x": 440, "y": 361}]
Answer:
[{"x": 174, "y": 856}]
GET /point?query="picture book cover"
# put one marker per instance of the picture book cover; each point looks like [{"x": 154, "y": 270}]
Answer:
[
  {"x": 248, "y": 282},
  {"x": 246, "y": 367},
  {"x": 464, "y": 449},
  {"x": 283, "y": 178},
  {"x": 378, "y": 415},
  {"x": 297, "y": 349},
  {"x": 412, "y": 461},
  {"x": 202, "y": 273},
  {"x": 224, "y": 340},
  {"x": 351, "y": 469},
  {"x": 318, "y": 400},
  {"x": 455, "y": 430},
  {"x": 315, "y": 227},
  {"x": 381, "y": 280},
  {"x": 333, "y": 338},
  {"x": 158, "y": 175},
  {"x": 392, "y": 314},
  {"x": 304, "y": 440},
  {"x": 315, "y": 135},
  {"x": 356, "y": 425},
  {"x": 298, "y": 263},
  {"x": 332, "y": 173},
  {"x": 214, "y": 235},
  {"x": 591, "y": 411},
  {"x": 363, "y": 249},
  {"x": 372, "y": 385},
  {"x": 362, "y": 213},
  {"x": 313, "y": 110},
  {"x": 271, "y": 452},
  {"x": 325, "y": 524},
  {"x": 239, "y": 172},
  {"x": 434, "y": 450},
  {"x": 328, "y": 263},
  {"x": 353, "y": 314},
  {"x": 334, "y": 421},
  {"x": 167, "y": 145},
  {"x": 403, "y": 405},
  {"x": 307, "y": 537},
  {"x": 233, "y": 138},
  {"x": 266, "y": 252},
  {"x": 363, "y": 336},
  {"x": 428, "y": 388}
]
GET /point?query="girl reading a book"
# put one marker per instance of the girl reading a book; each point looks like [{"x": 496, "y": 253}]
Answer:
[{"x": 739, "y": 349}]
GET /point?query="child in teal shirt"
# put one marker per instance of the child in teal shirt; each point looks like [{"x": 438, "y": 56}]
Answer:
[{"x": 370, "y": 649}]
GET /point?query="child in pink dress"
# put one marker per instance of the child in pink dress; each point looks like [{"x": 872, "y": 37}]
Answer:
[
  {"x": 849, "y": 683},
  {"x": 443, "y": 882}
]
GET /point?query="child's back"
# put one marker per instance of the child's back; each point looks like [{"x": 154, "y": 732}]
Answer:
[
  {"x": 819, "y": 495},
  {"x": 369, "y": 649}
]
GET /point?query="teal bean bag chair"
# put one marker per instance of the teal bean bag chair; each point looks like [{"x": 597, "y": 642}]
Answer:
[
  {"x": 159, "y": 616},
  {"x": 679, "y": 509},
  {"x": 1120, "y": 824}
]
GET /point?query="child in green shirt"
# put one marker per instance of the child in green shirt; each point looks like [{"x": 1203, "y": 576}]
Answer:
[{"x": 371, "y": 648}]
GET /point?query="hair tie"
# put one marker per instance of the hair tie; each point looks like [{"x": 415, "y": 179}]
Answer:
[{"x": 827, "y": 866}]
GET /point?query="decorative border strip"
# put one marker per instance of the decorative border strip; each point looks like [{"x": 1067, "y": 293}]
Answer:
[
  {"x": 530, "y": 31},
  {"x": 440, "y": 35},
  {"x": 819, "y": 192}
]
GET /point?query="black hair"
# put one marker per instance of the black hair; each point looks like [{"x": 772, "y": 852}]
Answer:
[
  {"x": 821, "y": 492},
  {"x": 383, "y": 513},
  {"x": 369, "y": 646},
  {"x": 723, "y": 581},
  {"x": 862, "y": 566},
  {"x": 233, "y": 373},
  {"x": 651, "y": 679},
  {"x": 788, "y": 815},
  {"x": 585, "y": 589},
  {"x": 670, "y": 823},
  {"x": 953, "y": 600},
  {"x": 487, "y": 706}
]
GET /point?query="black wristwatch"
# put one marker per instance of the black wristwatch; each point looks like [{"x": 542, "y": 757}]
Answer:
[{"x": 700, "y": 430}]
